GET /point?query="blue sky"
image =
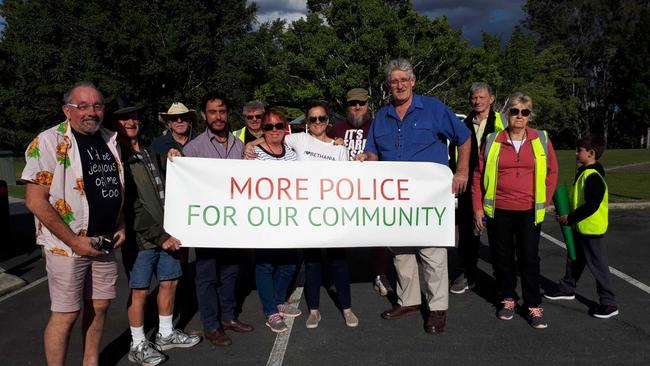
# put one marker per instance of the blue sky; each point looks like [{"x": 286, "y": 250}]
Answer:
[{"x": 497, "y": 17}]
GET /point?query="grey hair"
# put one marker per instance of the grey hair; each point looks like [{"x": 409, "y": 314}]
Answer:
[
  {"x": 478, "y": 86},
  {"x": 254, "y": 105},
  {"x": 520, "y": 98},
  {"x": 67, "y": 96},
  {"x": 399, "y": 64}
]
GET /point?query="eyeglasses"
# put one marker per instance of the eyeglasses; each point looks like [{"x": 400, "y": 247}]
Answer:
[
  {"x": 270, "y": 126},
  {"x": 516, "y": 111},
  {"x": 354, "y": 103},
  {"x": 84, "y": 107},
  {"x": 253, "y": 116},
  {"x": 320, "y": 119},
  {"x": 396, "y": 82}
]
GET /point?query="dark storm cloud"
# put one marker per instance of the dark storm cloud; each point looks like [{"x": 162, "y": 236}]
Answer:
[{"x": 497, "y": 17}]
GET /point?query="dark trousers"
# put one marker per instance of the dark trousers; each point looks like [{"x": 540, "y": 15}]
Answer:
[
  {"x": 514, "y": 233},
  {"x": 590, "y": 251},
  {"x": 274, "y": 273},
  {"x": 339, "y": 272},
  {"x": 216, "y": 279},
  {"x": 469, "y": 244}
]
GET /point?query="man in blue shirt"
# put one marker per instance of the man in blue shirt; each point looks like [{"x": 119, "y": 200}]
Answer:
[{"x": 416, "y": 128}]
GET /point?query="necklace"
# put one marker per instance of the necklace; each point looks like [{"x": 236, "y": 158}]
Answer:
[{"x": 271, "y": 149}]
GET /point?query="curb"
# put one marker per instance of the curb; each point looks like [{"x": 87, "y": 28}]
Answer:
[{"x": 9, "y": 283}]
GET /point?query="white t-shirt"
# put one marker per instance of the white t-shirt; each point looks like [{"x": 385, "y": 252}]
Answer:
[{"x": 308, "y": 148}]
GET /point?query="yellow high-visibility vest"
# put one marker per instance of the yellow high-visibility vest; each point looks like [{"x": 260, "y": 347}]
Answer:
[
  {"x": 596, "y": 224},
  {"x": 499, "y": 125},
  {"x": 491, "y": 156},
  {"x": 240, "y": 134}
]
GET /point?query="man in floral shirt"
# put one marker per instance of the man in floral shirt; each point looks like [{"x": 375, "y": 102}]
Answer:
[{"x": 75, "y": 191}]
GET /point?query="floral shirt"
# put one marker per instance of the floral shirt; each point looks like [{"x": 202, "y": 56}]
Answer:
[{"x": 52, "y": 160}]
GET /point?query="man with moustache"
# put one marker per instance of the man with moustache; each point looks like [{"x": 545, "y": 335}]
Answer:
[
  {"x": 354, "y": 132},
  {"x": 481, "y": 122},
  {"x": 149, "y": 249},
  {"x": 217, "y": 269},
  {"x": 416, "y": 128},
  {"x": 75, "y": 190}
]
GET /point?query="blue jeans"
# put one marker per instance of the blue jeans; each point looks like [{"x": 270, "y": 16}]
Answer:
[
  {"x": 339, "y": 272},
  {"x": 216, "y": 279},
  {"x": 274, "y": 271}
]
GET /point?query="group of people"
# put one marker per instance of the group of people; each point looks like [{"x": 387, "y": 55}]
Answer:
[{"x": 93, "y": 189}]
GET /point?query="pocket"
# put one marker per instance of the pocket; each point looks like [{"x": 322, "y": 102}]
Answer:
[
  {"x": 423, "y": 135},
  {"x": 385, "y": 141}
]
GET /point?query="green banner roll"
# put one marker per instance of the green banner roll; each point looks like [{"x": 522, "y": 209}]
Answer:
[{"x": 561, "y": 200}]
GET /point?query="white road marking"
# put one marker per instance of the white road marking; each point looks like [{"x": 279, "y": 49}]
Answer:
[
  {"x": 282, "y": 339},
  {"x": 33, "y": 284},
  {"x": 629, "y": 279}
]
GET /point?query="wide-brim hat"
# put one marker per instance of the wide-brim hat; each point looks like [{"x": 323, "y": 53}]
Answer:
[
  {"x": 357, "y": 94},
  {"x": 124, "y": 106},
  {"x": 177, "y": 109}
]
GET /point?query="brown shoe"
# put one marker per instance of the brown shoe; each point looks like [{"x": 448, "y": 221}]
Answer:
[
  {"x": 400, "y": 311},
  {"x": 436, "y": 322},
  {"x": 218, "y": 338},
  {"x": 236, "y": 326}
]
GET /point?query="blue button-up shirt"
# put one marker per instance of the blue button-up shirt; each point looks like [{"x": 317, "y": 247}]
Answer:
[{"x": 422, "y": 136}]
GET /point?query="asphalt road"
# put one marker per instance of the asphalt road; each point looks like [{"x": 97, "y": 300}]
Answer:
[{"x": 474, "y": 336}]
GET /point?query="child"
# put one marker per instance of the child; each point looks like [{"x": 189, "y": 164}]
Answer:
[{"x": 589, "y": 205}]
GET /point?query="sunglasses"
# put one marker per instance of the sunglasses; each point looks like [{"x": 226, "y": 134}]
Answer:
[
  {"x": 313, "y": 119},
  {"x": 516, "y": 111},
  {"x": 354, "y": 103},
  {"x": 254, "y": 116},
  {"x": 270, "y": 126}
]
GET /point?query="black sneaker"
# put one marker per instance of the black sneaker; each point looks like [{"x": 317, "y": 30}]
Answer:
[
  {"x": 605, "y": 311},
  {"x": 559, "y": 295}
]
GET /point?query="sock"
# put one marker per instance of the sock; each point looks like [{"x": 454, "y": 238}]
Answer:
[
  {"x": 165, "y": 325},
  {"x": 137, "y": 334}
]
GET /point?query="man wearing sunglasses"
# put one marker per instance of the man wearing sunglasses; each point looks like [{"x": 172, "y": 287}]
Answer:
[
  {"x": 253, "y": 112},
  {"x": 481, "y": 121},
  {"x": 354, "y": 132},
  {"x": 179, "y": 121},
  {"x": 416, "y": 128}
]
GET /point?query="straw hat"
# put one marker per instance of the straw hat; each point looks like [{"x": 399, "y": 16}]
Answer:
[{"x": 177, "y": 109}]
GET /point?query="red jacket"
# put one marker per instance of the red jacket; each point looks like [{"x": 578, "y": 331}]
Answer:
[{"x": 515, "y": 175}]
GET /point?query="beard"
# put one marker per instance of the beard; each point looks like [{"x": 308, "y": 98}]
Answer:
[{"x": 356, "y": 120}]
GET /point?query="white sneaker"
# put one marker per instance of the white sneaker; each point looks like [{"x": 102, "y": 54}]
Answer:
[{"x": 146, "y": 354}]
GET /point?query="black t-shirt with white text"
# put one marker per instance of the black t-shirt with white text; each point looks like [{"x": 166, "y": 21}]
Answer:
[{"x": 101, "y": 183}]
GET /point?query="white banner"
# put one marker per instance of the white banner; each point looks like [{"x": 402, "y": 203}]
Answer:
[{"x": 274, "y": 204}]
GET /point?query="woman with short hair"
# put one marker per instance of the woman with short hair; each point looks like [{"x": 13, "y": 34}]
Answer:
[{"x": 513, "y": 183}]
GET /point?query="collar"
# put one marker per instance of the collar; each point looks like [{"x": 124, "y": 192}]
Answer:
[
  {"x": 64, "y": 129},
  {"x": 531, "y": 134},
  {"x": 211, "y": 136},
  {"x": 416, "y": 103}
]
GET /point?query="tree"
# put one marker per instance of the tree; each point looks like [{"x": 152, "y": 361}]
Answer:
[
  {"x": 592, "y": 32},
  {"x": 344, "y": 44},
  {"x": 152, "y": 52}
]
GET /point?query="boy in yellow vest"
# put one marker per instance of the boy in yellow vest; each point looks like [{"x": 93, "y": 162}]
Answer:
[{"x": 589, "y": 206}]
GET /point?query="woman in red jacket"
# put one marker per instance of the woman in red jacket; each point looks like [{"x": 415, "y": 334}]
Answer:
[{"x": 513, "y": 183}]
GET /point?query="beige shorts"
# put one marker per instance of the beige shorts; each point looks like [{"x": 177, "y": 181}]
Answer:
[{"x": 73, "y": 279}]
